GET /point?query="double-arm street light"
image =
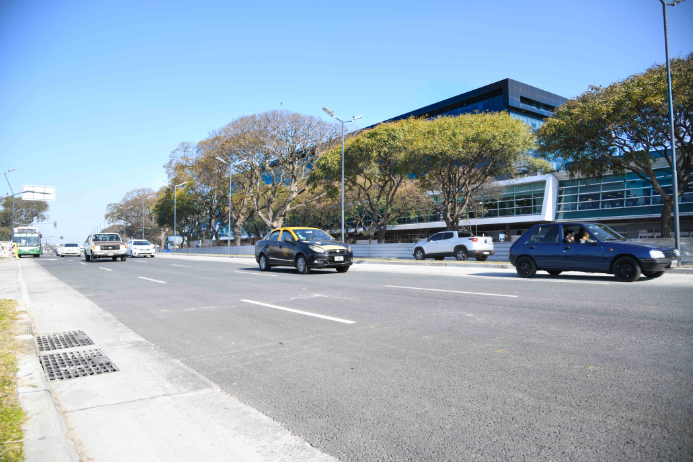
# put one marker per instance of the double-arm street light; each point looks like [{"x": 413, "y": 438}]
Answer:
[
  {"x": 676, "y": 219},
  {"x": 175, "y": 186},
  {"x": 229, "y": 217},
  {"x": 143, "y": 212},
  {"x": 342, "y": 169},
  {"x": 8, "y": 184},
  {"x": 124, "y": 218}
]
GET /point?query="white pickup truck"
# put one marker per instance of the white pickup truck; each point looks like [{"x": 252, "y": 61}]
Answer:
[{"x": 459, "y": 244}]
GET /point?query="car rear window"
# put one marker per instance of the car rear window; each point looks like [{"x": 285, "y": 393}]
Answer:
[{"x": 70, "y": 245}]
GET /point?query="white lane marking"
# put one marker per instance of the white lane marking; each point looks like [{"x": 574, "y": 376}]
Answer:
[
  {"x": 455, "y": 291},
  {"x": 182, "y": 266},
  {"x": 153, "y": 280},
  {"x": 256, "y": 273},
  {"x": 69, "y": 259},
  {"x": 139, "y": 261},
  {"x": 344, "y": 321},
  {"x": 543, "y": 279},
  {"x": 81, "y": 263},
  {"x": 106, "y": 269}
]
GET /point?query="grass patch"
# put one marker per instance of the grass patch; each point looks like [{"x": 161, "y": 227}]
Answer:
[{"x": 11, "y": 415}]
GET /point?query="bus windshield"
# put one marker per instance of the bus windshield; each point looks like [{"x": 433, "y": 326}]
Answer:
[{"x": 27, "y": 240}]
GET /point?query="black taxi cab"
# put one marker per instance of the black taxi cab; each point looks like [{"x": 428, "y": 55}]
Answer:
[{"x": 303, "y": 248}]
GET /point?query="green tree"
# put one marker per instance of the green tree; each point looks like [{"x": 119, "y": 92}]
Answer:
[
  {"x": 25, "y": 212},
  {"x": 376, "y": 165},
  {"x": 189, "y": 212},
  {"x": 624, "y": 127},
  {"x": 460, "y": 157}
]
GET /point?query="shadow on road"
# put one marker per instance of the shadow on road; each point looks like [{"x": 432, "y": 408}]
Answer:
[{"x": 566, "y": 277}]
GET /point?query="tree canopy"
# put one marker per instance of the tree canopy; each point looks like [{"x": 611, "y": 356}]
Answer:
[{"x": 25, "y": 212}]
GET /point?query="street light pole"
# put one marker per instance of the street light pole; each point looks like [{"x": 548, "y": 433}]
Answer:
[
  {"x": 124, "y": 219},
  {"x": 229, "y": 211},
  {"x": 342, "y": 169},
  {"x": 175, "y": 186},
  {"x": 8, "y": 184},
  {"x": 676, "y": 219}
]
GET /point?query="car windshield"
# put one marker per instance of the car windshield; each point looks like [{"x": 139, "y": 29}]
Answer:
[
  {"x": 604, "y": 233},
  {"x": 106, "y": 237},
  {"x": 141, "y": 243},
  {"x": 312, "y": 235},
  {"x": 70, "y": 245}
]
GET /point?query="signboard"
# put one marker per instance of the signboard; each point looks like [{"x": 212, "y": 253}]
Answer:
[
  {"x": 38, "y": 193},
  {"x": 177, "y": 240}
]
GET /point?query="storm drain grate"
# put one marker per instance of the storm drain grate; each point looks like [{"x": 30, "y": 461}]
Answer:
[
  {"x": 23, "y": 328},
  {"x": 73, "y": 364},
  {"x": 27, "y": 346},
  {"x": 62, "y": 340}
]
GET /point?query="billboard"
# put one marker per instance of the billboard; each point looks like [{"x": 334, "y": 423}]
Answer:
[
  {"x": 177, "y": 240},
  {"x": 38, "y": 193}
]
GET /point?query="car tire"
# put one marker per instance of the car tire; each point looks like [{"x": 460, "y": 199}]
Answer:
[
  {"x": 342, "y": 269},
  {"x": 439, "y": 258},
  {"x": 419, "y": 254},
  {"x": 554, "y": 272},
  {"x": 87, "y": 257},
  {"x": 124, "y": 257},
  {"x": 62, "y": 256},
  {"x": 300, "y": 264},
  {"x": 94, "y": 258},
  {"x": 263, "y": 263},
  {"x": 526, "y": 267},
  {"x": 481, "y": 258},
  {"x": 653, "y": 274},
  {"x": 627, "y": 269},
  {"x": 114, "y": 258},
  {"x": 461, "y": 253}
]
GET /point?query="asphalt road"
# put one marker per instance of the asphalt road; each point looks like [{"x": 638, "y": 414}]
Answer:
[{"x": 485, "y": 367}]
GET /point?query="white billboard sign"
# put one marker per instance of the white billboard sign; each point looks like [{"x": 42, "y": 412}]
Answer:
[{"x": 38, "y": 193}]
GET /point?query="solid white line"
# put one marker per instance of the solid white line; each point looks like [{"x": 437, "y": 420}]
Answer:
[
  {"x": 81, "y": 263},
  {"x": 344, "y": 321},
  {"x": 153, "y": 280},
  {"x": 256, "y": 273},
  {"x": 182, "y": 266},
  {"x": 106, "y": 269},
  {"x": 455, "y": 291}
]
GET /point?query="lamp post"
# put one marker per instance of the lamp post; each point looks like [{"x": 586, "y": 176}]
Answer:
[
  {"x": 175, "y": 186},
  {"x": 676, "y": 220},
  {"x": 124, "y": 219},
  {"x": 143, "y": 213},
  {"x": 8, "y": 184},
  {"x": 229, "y": 211},
  {"x": 342, "y": 169}
]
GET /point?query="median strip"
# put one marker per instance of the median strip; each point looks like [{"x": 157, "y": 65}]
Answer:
[
  {"x": 455, "y": 291},
  {"x": 153, "y": 280},
  {"x": 306, "y": 313}
]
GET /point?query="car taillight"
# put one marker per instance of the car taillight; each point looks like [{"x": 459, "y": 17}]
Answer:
[{"x": 474, "y": 239}]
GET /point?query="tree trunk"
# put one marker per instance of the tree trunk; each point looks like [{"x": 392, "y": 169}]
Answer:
[
  {"x": 666, "y": 221},
  {"x": 237, "y": 232}
]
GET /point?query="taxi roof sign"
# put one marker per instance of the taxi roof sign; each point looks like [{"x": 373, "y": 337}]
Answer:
[{"x": 38, "y": 193}]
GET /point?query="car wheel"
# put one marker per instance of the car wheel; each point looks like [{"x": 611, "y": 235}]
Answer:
[
  {"x": 114, "y": 258},
  {"x": 87, "y": 257},
  {"x": 554, "y": 272},
  {"x": 526, "y": 267},
  {"x": 627, "y": 269},
  {"x": 461, "y": 253},
  {"x": 62, "y": 256},
  {"x": 439, "y": 258},
  {"x": 481, "y": 258},
  {"x": 653, "y": 274},
  {"x": 342, "y": 269},
  {"x": 94, "y": 258},
  {"x": 263, "y": 263},
  {"x": 302, "y": 267},
  {"x": 123, "y": 258},
  {"x": 419, "y": 254}
]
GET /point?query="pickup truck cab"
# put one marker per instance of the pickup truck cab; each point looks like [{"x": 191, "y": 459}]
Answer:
[
  {"x": 459, "y": 244},
  {"x": 104, "y": 245}
]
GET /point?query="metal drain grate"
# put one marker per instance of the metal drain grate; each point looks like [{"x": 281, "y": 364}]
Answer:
[
  {"x": 23, "y": 328},
  {"x": 73, "y": 364},
  {"x": 62, "y": 340},
  {"x": 27, "y": 346}
]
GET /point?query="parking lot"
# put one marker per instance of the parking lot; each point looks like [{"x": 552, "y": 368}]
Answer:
[{"x": 391, "y": 362}]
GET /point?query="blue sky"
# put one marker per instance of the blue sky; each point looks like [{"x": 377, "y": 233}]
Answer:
[{"x": 95, "y": 95}]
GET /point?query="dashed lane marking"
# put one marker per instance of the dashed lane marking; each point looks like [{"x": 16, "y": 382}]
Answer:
[
  {"x": 153, "y": 280},
  {"x": 455, "y": 291},
  {"x": 105, "y": 269},
  {"x": 182, "y": 266},
  {"x": 306, "y": 313},
  {"x": 256, "y": 273},
  {"x": 81, "y": 263}
]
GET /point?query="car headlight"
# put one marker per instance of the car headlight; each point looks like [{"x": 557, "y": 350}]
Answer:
[
  {"x": 676, "y": 253},
  {"x": 656, "y": 254},
  {"x": 317, "y": 249}
]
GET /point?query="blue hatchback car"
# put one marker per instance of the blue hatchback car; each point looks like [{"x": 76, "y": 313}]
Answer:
[{"x": 588, "y": 247}]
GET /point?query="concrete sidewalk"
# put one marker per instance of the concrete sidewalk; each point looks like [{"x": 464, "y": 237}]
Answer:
[{"x": 153, "y": 408}]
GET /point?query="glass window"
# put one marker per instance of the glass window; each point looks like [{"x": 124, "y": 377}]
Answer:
[
  {"x": 287, "y": 237},
  {"x": 589, "y": 201},
  {"x": 312, "y": 235},
  {"x": 545, "y": 235},
  {"x": 274, "y": 236},
  {"x": 436, "y": 237},
  {"x": 506, "y": 212},
  {"x": 590, "y": 188}
]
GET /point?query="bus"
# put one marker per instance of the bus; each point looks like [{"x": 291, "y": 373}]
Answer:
[{"x": 28, "y": 241}]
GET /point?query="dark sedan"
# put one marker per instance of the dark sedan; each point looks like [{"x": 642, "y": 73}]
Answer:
[
  {"x": 303, "y": 248},
  {"x": 588, "y": 247}
]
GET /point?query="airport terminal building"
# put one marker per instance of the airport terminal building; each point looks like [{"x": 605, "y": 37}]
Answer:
[{"x": 626, "y": 203}]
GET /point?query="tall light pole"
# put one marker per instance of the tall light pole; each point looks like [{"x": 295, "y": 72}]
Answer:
[
  {"x": 229, "y": 214},
  {"x": 8, "y": 184},
  {"x": 124, "y": 219},
  {"x": 676, "y": 219},
  {"x": 342, "y": 169},
  {"x": 175, "y": 186},
  {"x": 143, "y": 213}
]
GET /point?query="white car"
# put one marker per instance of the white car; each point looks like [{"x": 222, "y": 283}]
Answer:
[
  {"x": 458, "y": 244},
  {"x": 140, "y": 248},
  {"x": 68, "y": 249}
]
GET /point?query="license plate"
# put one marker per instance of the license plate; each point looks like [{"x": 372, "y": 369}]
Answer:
[
  {"x": 338, "y": 258},
  {"x": 110, "y": 254},
  {"x": 486, "y": 253},
  {"x": 674, "y": 263}
]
